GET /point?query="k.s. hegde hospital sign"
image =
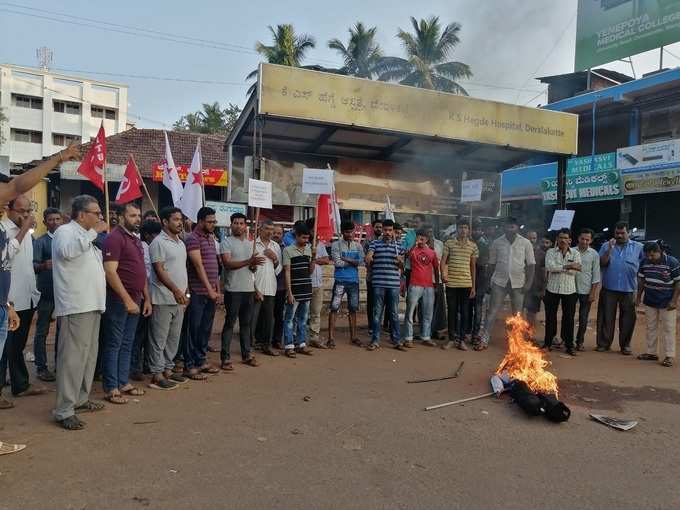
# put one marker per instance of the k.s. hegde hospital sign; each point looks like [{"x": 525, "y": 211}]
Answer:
[{"x": 323, "y": 97}]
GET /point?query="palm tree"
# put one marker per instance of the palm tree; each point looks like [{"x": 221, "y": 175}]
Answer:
[
  {"x": 362, "y": 54},
  {"x": 287, "y": 49},
  {"x": 427, "y": 50}
]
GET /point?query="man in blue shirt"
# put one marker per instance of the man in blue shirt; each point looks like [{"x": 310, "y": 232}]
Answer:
[
  {"x": 620, "y": 260},
  {"x": 660, "y": 281}
]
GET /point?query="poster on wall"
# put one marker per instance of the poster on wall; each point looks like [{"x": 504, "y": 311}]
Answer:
[
  {"x": 607, "y": 30},
  {"x": 648, "y": 156}
]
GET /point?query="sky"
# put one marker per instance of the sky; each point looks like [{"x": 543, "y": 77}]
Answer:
[{"x": 507, "y": 43}]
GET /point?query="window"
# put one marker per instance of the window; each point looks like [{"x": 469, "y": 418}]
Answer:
[
  {"x": 97, "y": 111},
  {"x": 64, "y": 140},
  {"x": 22, "y": 101},
  {"x": 23, "y": 135},
  {"x": 111, "y": 114},
  {"x": 67, "y": 107}
]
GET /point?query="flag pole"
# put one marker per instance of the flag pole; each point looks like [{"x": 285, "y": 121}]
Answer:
[
  {"x": 106, "y": 195},
  {"x": 148, "y": 195},
  {"x": 316, "y": 220},
  {"x": 257, "y": 221},
  {"x": 201, "y": 169}
]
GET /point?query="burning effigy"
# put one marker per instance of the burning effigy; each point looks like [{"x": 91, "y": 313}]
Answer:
[{"x": 523, "y": 373}]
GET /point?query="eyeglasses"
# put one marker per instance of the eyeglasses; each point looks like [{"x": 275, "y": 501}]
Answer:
[{"x": 98, "y": 213}]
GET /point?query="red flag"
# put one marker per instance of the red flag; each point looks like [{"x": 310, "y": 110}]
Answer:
[
  {"x": 325, "y": 227},
  {"x": 92, "y": 165},
  {"x": 129, "y": 186}
]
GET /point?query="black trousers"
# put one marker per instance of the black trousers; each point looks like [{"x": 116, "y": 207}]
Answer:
[
  {"x": 552, "y": 303},
  {"x": 458, "y": 302},
  {"x": 263, "y": 321},
  {"x": 13, "y": 356},
  {"x": 610, "y": 300},
  {"x": 279, "y": 307},
  {"x": 583, "y": 313},
  {"x": 239, "y": 307}
]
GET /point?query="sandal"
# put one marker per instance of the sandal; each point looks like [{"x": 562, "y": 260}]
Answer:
[
  {"x": 331, "y": 344},
  {"x": 227, "y": 366},
  {"x": 208, "y": 369},
  {"x": 648, "y": 357},
  {"x": 481, "y": 346},
  {"x": 270, "y": 352},
  {"x": 89, "y": 407},
  {"x": 133, "y": 391},
  {"x": 372, "y": 347},
  {"x": 72, "y": 423},
  {"x": 195, "y": 375},
  {"x": 290, "y": 353},
  {"x": 356, "y": 341},
  {"x": 161, "y": 383},
  {"x": 31, "y": 392},
  {"x": 116, "y": 398},
  {"x": 667, "y": 362},
  {"x": 5, "y": 404},
  {"x": 251, "y": 362}
]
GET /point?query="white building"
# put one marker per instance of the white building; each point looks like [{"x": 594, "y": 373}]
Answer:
[{"x": 48, "y": 110}]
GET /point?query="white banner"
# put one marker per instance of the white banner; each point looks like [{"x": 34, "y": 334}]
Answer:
[
  {"x": 471, "y": 191},
  {"x": 259, "y": 194},
  {"x": 317, "y": 181},
  {"x": 224, "y": 210}
]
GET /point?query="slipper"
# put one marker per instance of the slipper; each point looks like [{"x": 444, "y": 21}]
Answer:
[
  {"x": 331, "y": 344},
  {"x": 356, "y": 341},
  {"x": 31, "y": 392},
  {"x": 89, "y": 407},
  {"x": 208, "y": 369},
  {"x": 116, "y": 398},
  {"x": 7, "y": 448},
  {"x": 195, "y": 376},
  {"x": 72, "y": 423},
  {"x": 648, "y": 357},
  {"x": 372, "y": 347},
  {"x": 163, "y": 384},
  {"x": 6, "y": 404},
  {"x": 251, "y": 362},
  {"x": 178, "y": 378},
  {"x": 227, "y": 366},
  {"x": 481, "y": 346},
  {"x": 667, "y": 362},
  {"x": 133, "y": 391}
]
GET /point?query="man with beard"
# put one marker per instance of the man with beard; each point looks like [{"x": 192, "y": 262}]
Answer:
[
  {"x": 126, "y": 286},
  {"x": 203, "y": 273},
  {"x": 281, "y": 294},
  {"x": 377, "y": 227}
]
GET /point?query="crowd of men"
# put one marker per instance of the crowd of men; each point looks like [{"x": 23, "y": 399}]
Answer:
[{"x": 135, "y": 298}]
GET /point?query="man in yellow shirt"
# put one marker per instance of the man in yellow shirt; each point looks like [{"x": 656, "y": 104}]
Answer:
[{"x": 458, "y": 268}]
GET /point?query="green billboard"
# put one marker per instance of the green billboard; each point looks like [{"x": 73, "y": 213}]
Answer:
[{"x": 608, "y": 30}]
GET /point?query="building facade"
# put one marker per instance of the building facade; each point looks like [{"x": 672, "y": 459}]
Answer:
[{"x": 46, "y": 111}]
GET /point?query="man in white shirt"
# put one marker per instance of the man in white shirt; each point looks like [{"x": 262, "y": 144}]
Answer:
[
  {"x": 511, "y": 265},
  {"x": 79, "y": 300},
  {"x": 23, "y": 294},
  {"x": 265, "y": 287},
  {"x": 562, "y": 263},
  {"x": 587, "y": 283}
]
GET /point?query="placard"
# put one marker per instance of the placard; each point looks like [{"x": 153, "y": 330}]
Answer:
[
  {"x": 471, "y": 191},
  {"x": 259, "y": 194},
  {"x": 562, "y": 218},
  {"x": 224, "y": 210},
  {"x": 317, "y": 181}
]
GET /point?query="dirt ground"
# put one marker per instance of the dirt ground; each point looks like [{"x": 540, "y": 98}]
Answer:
[{"x": 342, "y": 429}]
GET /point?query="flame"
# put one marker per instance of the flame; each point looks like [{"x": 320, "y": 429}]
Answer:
[{"x": 524, "y": 360}]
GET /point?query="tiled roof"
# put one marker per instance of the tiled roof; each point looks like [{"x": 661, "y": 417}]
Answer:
[{"x": 148, "y": 147}]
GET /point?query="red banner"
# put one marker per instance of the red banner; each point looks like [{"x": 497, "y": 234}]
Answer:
[{"x": 211, "y": 176}]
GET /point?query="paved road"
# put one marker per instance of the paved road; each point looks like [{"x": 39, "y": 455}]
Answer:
[{"x": 250, "y": 440}]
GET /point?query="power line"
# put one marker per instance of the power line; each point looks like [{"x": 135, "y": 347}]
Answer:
[
  {"x": 535, "y": 97},
  {"x": 547, "y": 56}
]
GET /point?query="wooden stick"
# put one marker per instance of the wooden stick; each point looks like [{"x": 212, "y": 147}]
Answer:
[
  {"x": 454, "y": 376},
  {"x": 148, "y": 195},
  {"x": 316, "y": 221},
  {"x": 461, "y": 401},
  {"x": 257, "y": 221}
]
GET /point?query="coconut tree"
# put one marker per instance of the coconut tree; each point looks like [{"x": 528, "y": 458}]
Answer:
[
  {"x": 427, "y": 63},
  {"x": 362, "y": 54},
  {"x": 286, "y": 49}
]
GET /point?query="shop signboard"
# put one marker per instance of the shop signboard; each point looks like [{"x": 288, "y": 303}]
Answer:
[
  {"x": 607, "y": 30},
  {"x": 591, "y": 187},
  {"x": 648, "y": 156},
  {"x": 69, "y": 170},
  {"x": 211, "y": 176},
  {"x": 292, "y": 92},
  {"x": 652, "y": 181}
]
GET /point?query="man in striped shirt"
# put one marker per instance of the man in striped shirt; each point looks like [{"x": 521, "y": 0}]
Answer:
[
  {"x": 659, "y": 278},
  {"x": 386, "y": 260},
  {"x": 298, "y": 265}
]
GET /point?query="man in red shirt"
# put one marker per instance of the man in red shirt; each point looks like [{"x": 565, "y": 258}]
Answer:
[
  {"x": 420, "y": 289},
  {"x": 125, "y": 286}
]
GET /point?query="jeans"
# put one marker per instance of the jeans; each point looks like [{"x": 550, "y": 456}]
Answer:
[
  {"x": 498, "y": 294},
  {"x": 279, "y": 307},
  {"x": 415, "y": 294},
  {"x": 477, "y": 308},
  {"x": 42, "y": 328},
  {"x": 200, "y": 314},
  {"x": 263, "y": 321},
  {"x": 458, "y": 302},
  {"x": 13, "y": 356},
  {"x": 552, "y": 303},
  {"x": 388, "y": 297},
  {"x": 606, "y": 317},
  {"x": 119, "y": 333},
  {"x": 295, "y": 317},
  {"x": 339, "y": 290},
  {"x": 239, "y": 306},
  {"x": 3, "y": 333},
  {"x": 583, "y": 313}
]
